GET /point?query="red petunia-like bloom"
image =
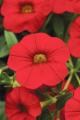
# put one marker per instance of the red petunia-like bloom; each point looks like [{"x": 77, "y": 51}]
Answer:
[
  {"x": 39, "y": 60},
  {"x": 72, "y": 107},
  {"x": 21, "y": 104},
  {"x": 24, "y": 15},
  {"x": 74, "y": 40}
]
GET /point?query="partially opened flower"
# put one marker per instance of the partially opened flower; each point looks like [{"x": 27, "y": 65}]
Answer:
[
  {"x": 74, "y": 40},
  {"x": 39, "y": 60},
  {"x": 22, "y": 104},
  {"x": 72, "y": 107},
  {"x": 24, "y": 15}
]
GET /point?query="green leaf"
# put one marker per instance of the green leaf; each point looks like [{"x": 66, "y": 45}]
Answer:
[
  {"x": 58, "y": 26},
  {"x": 10, "y": 38},
  {"x": 70, "y": 17},
  {"x": 48, "y": 20},
  {"x": 4, "y": 79},
  {"x": 47, "y": 115},
  {"x": 2, "y": 111},
  {"x": 62, "y": 100},
  {"x": 78, "y": 65},
  {"x": 4, "y": 51}
]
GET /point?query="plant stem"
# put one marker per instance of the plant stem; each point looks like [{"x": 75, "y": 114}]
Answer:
[
  {"x": 52, "y": 100},
  {"x": 77, "y": 77},
  {"x": 58, "y": 115},
  {"x": 70, "y": 61},
  {"x": 68, "y": 81}
]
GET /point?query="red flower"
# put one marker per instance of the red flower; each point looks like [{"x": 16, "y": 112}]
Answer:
[
  {"x": 61, "y": 6},
  {"x": 58, "y": 6},
  {"x": 74, "y": 29},
  {"x": 72, "y": 107},
  {"x": 74, "y": 41},
  {"x": 73, "y": 6},
  {"x": 22, "y": 104},
  {"x": 24, "y": 15},
  {"x": 39, "y": 60}
]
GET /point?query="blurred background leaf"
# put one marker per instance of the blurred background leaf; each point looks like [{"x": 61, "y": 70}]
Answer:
[{"x": 58, "y": 25}]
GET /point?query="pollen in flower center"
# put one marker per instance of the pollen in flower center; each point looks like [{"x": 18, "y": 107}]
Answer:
[
  {"x": 40, "y": 58},
  {"x": 28, "y": 8}
]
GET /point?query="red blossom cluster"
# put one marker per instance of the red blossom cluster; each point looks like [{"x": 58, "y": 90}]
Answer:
[
  {"x": 30, "y": 15},
  {"x": 40, "y": 59}
]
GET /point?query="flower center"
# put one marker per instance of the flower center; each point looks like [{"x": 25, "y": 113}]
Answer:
[
  {"x": 22, "y": 108},
  {"x": 40, "y": 58},
  {"x": 28, "y": 8}
]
